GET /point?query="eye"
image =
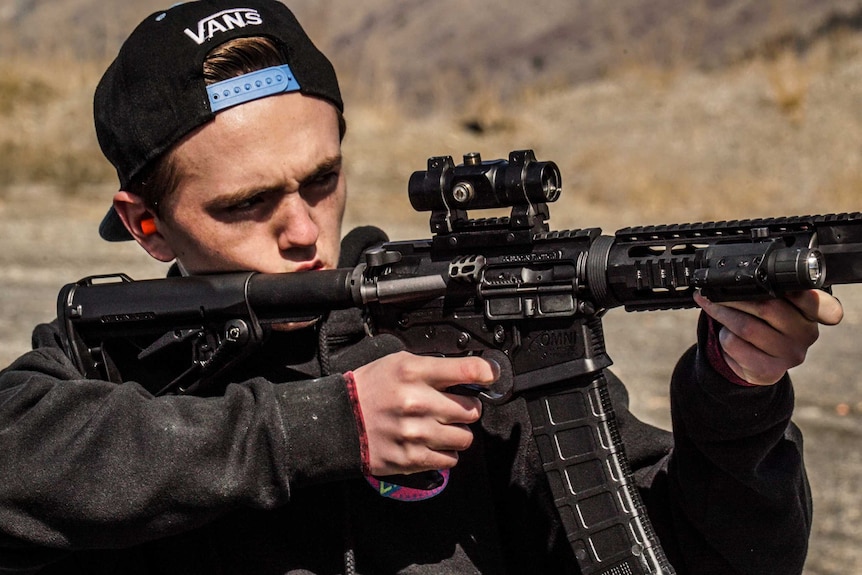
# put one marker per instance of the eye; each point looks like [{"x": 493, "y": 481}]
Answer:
[
  {"x": 246, "y": 204},
  {"x": 321, "y": 186},
  {"x": 327, "y": 180}
]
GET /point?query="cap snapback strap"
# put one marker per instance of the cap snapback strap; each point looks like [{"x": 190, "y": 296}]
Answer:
[{"x": 251, "y": 86}]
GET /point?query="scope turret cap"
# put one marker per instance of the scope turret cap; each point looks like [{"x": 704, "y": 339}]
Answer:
[{"x": 154, "y": 93}]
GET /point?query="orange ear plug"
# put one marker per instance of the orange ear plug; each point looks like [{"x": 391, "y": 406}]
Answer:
[{"x": 148, "y": 226}]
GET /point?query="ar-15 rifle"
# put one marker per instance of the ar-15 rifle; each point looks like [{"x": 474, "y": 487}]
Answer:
[{"x": 504, "y": 288}]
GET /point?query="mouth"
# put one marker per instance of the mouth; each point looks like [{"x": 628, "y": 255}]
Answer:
[{"x": 316, "y": 265}]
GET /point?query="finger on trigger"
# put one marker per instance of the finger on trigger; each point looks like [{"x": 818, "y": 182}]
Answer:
[{"x": 443, "y": 372}]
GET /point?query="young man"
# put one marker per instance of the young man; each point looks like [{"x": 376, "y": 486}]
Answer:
[{"x": 224, "y": 123}]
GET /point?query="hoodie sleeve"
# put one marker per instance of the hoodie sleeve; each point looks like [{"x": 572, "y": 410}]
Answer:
[
  {"x": 86, "y": 463},
  {"x": 739, "y": 500}
]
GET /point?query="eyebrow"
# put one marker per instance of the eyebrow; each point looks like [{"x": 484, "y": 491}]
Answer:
[
  {"x": 323, "y": 168},
  {"x": 244, "y": 194}
]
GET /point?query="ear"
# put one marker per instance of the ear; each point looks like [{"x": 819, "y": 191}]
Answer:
[{"x": 143, "y": 224}]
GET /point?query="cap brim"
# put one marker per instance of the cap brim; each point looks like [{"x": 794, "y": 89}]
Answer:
[{"x": 112, "y": 228}]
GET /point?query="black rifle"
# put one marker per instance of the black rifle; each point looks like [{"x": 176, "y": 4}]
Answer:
[{"x": 505, "y": 288}]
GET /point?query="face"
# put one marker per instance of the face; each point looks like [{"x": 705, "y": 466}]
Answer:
[{"x": 261, "y": 188}]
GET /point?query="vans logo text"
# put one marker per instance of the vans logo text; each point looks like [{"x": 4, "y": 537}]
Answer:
[{"x": 222, "y": 22}]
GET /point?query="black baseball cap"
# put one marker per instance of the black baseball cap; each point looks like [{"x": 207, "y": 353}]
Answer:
[{"x": 154, "y": 93}]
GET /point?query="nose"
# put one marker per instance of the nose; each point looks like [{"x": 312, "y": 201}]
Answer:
[{"x": 294, "y": 226}]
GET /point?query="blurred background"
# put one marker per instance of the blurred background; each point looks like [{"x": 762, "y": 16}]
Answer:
[{"x": 657, "y": 111}]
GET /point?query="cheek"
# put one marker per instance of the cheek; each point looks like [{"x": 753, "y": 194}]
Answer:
[
  {"x": 335, "y": 211},
  {"x": 328, "y": 217},
  {"x": 326, "y": 210},
  {"x": 206, "y": 246},
  {"x": 334, "y": 205}
]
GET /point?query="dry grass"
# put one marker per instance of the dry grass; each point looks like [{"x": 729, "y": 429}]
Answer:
[{"x": 46, "y": 132}]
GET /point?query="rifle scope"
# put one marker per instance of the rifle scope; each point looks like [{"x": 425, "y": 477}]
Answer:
[{"x": 478, "y": 184}]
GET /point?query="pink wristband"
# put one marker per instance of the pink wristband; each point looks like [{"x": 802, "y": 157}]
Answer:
[{"x": 360, "y": 422}]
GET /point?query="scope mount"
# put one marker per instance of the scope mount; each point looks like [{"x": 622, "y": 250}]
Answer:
[{"x": 449, "y": 191}]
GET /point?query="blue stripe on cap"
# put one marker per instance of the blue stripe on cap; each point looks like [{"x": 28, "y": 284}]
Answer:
[{"x": 251, "y": 86}]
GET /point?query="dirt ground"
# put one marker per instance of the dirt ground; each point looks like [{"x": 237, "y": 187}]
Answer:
[{"x": 46, "y": 241}]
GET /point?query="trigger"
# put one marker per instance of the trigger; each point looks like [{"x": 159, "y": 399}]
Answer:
[
  {"x": 501, "y": 391},
  {"x": 468, "y": 389}
]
